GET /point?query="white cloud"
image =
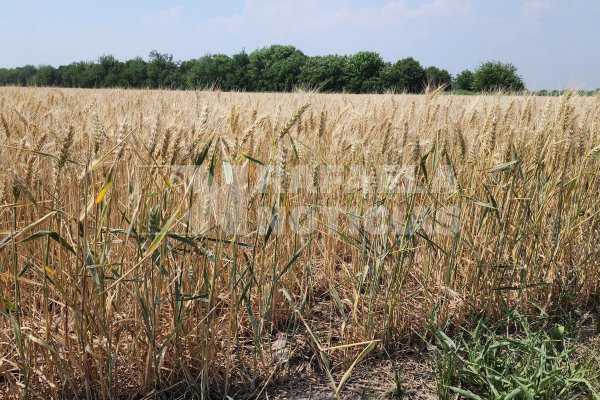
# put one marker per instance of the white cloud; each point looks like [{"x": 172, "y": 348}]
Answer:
[
  {"x": 315, "y": 15},
  {"x": 443, "y": 8},
  {"x": 537, "y": 6},
  {"x": 170, "y": 16},
  {"x": 388, "y": 14}
]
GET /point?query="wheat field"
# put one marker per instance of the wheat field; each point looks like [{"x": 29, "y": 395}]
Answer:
[{"x": 205, "y": 244}]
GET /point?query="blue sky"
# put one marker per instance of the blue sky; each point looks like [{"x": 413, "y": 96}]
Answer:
[{"x": 554, "y": 43}]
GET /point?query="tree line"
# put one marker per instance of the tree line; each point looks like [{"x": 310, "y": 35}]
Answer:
[{"x": 276, "y": 68}]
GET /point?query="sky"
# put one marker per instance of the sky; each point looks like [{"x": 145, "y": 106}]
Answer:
[{"x": 553, "y": 43}]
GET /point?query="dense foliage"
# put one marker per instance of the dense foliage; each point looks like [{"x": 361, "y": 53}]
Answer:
[
  {"x": 464, "y": 81},
  {"x": 271, "y": 69},
  {"x": 495, "y": 75}
]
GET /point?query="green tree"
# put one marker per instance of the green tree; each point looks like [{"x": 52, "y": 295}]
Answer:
[
  {"x": 80, "y": 75},
  {"x": 110, "y": 71},
  {"x": 93, "y": 74},
  {"x": 162, "y": 71},
  {"x": 324, "y": 73},
  {"x": 436, "y": 77},
  {"x": 22, "y": 76},
  {"x": 238, "y": 79},
  {"x": 362, "y": 72},
  {"x": 463, "y": 81},
  {"x": 68, "y": 75},
  {"x": 275, "y": 68},
  {"x": 495, "y": 75},
  {"x": 134, "y": 73},
  {"x": 406, "y": 75},
  {"x": 4, "y": 76},
  {"x": 210, "y": 70},
  {"x": 46, "y": 75}
]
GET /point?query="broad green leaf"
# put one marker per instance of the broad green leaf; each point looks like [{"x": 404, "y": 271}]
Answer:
[
  {"x": 503, "y": 167},
  {"x": 466, "y": 393},
  {"x": 161, "y": 235},
  {"x": 358, "y": 359},
  {"x": 54, "y": 236}
]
